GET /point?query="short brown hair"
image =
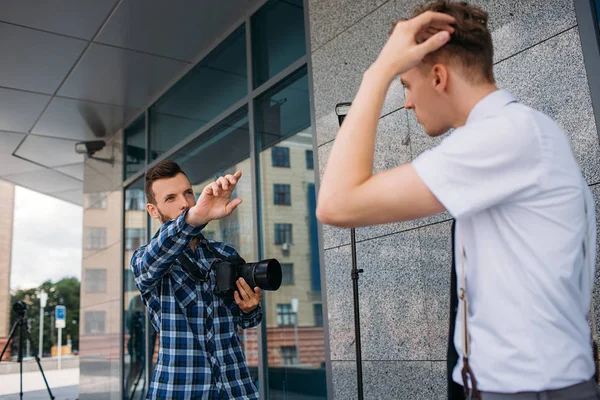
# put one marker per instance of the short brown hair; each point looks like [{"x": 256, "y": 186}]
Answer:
[
  {"x": 471, "y": 43},
  {"x": 164, "y": 169}
]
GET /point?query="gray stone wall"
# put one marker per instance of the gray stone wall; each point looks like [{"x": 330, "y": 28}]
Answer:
[{"x": 405, "y": 287}]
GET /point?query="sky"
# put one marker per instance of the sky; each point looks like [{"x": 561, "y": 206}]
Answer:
[{"x": 47, "y": 238}]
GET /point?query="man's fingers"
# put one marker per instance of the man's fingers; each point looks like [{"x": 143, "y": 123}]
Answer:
[
  {"x": 224, "y": 183},
  {"x": 431, "y": 18},
  {"x": 231, "y": 179},
  {"x": 215, "y": 188},
  {"x": 232, "y": 205},
  {"x": 237, "y": 175},
  {"x": 433, "y": 43},
  {"x": 237, "y": 298},
  {"x": 243, "y": 291}
]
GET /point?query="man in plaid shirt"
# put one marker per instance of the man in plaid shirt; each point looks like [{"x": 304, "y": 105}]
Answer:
[{"x": 200, "y": 356}]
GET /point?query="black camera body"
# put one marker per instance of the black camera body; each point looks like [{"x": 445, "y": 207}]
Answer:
[
  {"x": 265, "y": 274},
  {"x": 19, "y": 308}
]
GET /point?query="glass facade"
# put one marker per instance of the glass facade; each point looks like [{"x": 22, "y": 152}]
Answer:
[
  {"x": 134, "y": 312},
  {"x": 211, "y": 123},
  {"x": 277, "y": 38},
  {"x": 135, "y": 147},
  {"x": 216, "y": 83}
]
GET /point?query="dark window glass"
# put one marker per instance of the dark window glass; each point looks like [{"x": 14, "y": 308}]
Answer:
[
  {"x": 287, "y": 274},
  {"x": 278, "y": 38},
  {"x": 280, "y": 157},
  {"x": 310, "y": 163},
  {"x": 282, "y": 194},
  {"x": 135, "y": 146},
  {"x": 135, "y": 199},
  {"x": 283, "y": 233},
  {"x": 215, "y": 84},
  {"x": 285, "y": 315},
  {"x": 289, "y": 355},
  {"x": 318, "y": 311}
]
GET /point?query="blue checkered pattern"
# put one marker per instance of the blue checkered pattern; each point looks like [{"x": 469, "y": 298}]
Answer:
[{"x": 200, "y": 355}]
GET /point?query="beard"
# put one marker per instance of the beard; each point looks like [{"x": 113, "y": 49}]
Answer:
[{"x": 164, "y": 218}]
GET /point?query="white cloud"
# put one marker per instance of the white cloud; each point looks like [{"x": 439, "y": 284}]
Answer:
[{"x": 46, "y": 239}]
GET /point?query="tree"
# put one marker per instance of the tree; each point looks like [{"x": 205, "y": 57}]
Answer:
[{"x": 64, "y": 292}]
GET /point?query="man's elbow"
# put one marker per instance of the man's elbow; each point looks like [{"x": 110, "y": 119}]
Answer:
[{"x": 330, "y": 213}]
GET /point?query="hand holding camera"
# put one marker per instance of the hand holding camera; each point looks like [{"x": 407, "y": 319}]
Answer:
[
  {"x": 246, "y": 298},
  {"x": 214, "y": 201}
]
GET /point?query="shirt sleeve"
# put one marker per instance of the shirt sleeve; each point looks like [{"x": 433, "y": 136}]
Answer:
[
  {"x": 151, "y": 262},
  {"x": 483, "y": 164}
]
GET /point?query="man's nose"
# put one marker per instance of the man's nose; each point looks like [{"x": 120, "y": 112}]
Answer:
[
  {"x": 183, "y": 203},
  {"x": 408, "y": 104}
]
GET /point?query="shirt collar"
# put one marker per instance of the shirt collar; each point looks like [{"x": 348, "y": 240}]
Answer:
[{"x": 490, "y": 104}]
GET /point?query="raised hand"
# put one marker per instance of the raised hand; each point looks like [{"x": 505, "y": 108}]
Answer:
[
  {"x": 412, "y": 40},
  {"x": 214, "y": 201}
]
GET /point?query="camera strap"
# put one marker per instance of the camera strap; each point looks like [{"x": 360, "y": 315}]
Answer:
[
  {"x": 467, "y": 374},
  {"x": 192, "y": 268}
]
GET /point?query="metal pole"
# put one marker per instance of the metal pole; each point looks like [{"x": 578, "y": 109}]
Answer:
[
  {"x": 41, "y": 342},
  {"x": 43, "y": 298},
  {"x": 355, "y": 274},
  {"x": 28, "y": 345},
  {"x": 59, "y": 345}
]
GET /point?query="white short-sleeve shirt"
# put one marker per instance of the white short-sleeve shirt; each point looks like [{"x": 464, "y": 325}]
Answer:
[{"x": 510, "y": 179}]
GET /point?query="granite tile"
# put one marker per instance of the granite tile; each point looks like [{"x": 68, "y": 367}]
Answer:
[
  {"x": 393, "y": 322},
  {"x": 551, "y": 78},
  {"x": 439, "y": 382},
  {"x": 340, "y": 310},
  {"x": 387, "y": 380},
  {"x": 329, "y": 18},
  {"x": 339, "y": 65},
  {"x": 436, "y": 263},
  {"x": 546, "y": 20}
]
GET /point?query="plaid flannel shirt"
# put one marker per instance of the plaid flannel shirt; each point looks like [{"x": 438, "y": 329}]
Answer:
[{"x": 200, "y": 355}]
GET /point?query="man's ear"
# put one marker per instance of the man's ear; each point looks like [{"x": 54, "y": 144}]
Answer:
[
  {"x": 152, "y": 210},
  {"x": 439, "y": 74}
]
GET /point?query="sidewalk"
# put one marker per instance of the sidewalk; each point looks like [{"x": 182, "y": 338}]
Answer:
[{"x": 33, "y": 381}]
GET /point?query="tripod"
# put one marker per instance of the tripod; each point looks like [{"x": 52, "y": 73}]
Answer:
[
  {"x": 21, "y": 323},
  {"x": 341, "y": 109}
]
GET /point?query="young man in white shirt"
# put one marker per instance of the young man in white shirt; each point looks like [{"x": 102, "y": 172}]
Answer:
[{"x": 508, "y": 176}]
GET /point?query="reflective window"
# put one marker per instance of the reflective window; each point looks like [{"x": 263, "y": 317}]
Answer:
[
  {"x": 277, "y": 38},
  {"x": 94, "y": 280},
  {"x": 280, "y": 157},
  {"x": 135, "y": 146},
  {"x": 285, "y": 315},
  {"x": 95, "y": 238},
  {"x": 282, "y": 194},
  {"x": 597, "y": 7},
  {"x": 310, "y": 163},
  {"x": 283, "y": 234},
  {"x": 287, "y": 274},
  {"x": 134, "y": 313},
  {"x": 134, "y": 238},
  {"x": 212, "y": 86},
  {"x": 295, "y": 335},
  {"x": 225, "y": 149},
  {"x": 135, "y": 200}
]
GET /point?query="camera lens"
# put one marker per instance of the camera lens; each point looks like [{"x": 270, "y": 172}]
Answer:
[{"x": 265, "y": 274}]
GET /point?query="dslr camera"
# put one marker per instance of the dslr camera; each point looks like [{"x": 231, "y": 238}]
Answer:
[{"x": 265, "y": 274}]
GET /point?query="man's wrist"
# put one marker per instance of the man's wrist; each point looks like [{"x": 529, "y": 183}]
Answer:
[
  {"x": 379, "y": 72},
  {"x": 194, "y": 219}
]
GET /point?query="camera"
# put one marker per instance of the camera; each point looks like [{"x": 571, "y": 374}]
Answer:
[
  {"x": 265, "y": 274},
  {"x": 19, "y": 308},
  {"x": 89, "y": 147}
]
